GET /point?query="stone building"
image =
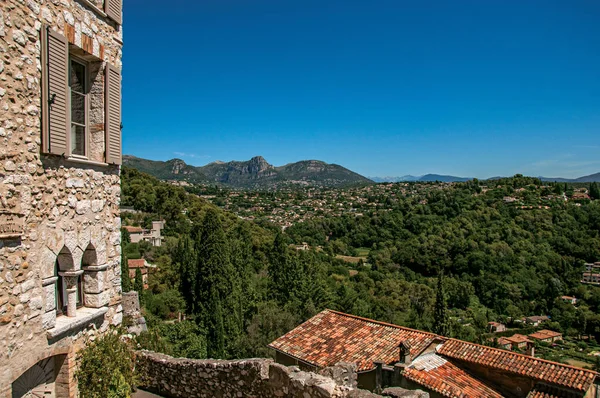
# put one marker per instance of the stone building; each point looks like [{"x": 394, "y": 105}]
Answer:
[{"x": 60, "y": 155}]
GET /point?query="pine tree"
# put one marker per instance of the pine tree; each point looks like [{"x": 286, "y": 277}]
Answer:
[
  {"x": 138, "y": 283},
  {"x": 441, "y": 323},
  {"x": 125, "y": 280}
]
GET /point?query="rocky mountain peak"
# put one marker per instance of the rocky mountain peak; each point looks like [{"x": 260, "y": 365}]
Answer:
[
  {"x": 258, "y": 164},
  {"x": 178, "y": 166}
]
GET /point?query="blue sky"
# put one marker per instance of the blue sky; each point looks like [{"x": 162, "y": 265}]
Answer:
[{"x": 470, "y": 88}]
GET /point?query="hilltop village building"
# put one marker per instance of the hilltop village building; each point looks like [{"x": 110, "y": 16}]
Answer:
[
  {"x": 591, "y": 275},
  {"x": 60, "y": 130},
  {"x": 153, "y": 235},
  {"x": 391, "y": 355}
]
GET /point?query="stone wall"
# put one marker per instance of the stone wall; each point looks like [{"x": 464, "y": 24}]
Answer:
[
  {"x": 183, "y": 378},
  {"x": 69, "y": 211},
  {"x": 172, "y": 377}
]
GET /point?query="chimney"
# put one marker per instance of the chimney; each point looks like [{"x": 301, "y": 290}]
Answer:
[
  {"x": 405, "y": 356},
  {"x": 531, "y": 348}
]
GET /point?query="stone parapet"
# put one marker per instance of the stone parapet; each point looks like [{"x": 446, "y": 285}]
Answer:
[{"x": 180, "y": 377}]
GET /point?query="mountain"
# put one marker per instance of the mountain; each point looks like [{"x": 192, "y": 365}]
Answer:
[
  {"x": 425, "y": 178},
  {"x": 443, "y": 178},
  {"x": 591, "y": 178},
  {"x": 255, "y": 173},
  {"x": 395, "y": 179},
  {"x": 447, "y": 178}
]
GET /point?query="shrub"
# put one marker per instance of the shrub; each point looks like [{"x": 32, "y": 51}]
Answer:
[{"x": 106, "y": 367}]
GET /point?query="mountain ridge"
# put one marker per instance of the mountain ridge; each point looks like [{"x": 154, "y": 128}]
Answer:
[
  {"x": 449, "y": 178},
  {"x": 254, "y": 173}
]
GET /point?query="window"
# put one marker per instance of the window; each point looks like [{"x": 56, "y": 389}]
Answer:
[
  {"x": 81, "y": 102},
  {"x": 78, "y": 82}
]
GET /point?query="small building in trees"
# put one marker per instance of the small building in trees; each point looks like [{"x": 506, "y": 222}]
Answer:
[
  {"x": 152, "y": 235},
  {"x": 495, "y": 327},
  {"x": 591, "y": 275},
  {"x": 536, "y": 320},
  {"x": 546, "y": 336},
  {"x": 569, "y": 299},
  {"x": 143, "y": 266}
]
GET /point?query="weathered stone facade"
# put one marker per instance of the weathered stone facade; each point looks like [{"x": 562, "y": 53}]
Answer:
[{"x": 60, "y": 215}]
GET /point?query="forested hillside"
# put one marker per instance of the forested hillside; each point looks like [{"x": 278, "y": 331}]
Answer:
[{"x": 241, "y": 285}]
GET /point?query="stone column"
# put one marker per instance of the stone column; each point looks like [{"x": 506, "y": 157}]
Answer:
[{"x": 70, "y": 280}]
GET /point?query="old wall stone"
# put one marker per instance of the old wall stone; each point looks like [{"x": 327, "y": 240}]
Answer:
[
  {"x": 67, "y": 208},
  {"x": 177, "y": 377}
]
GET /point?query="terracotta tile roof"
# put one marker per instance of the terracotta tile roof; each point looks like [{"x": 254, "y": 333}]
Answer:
[
  {"x": 331, "y": 337},
  {"x": 541, "y": 390},
  {"x": 131, "y": 229},
  {"x": 508, "y": 361},
  {"x": 518, "y": 338},
  {"x": 137, "y": 263},
  {"x": 448, "y": 380},
  {"x": 545, "y": 334}
]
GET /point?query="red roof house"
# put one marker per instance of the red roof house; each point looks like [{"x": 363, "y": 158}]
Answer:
[{"x": 444, "y": 366}]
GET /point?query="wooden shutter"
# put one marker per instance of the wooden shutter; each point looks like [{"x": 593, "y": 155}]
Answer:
[
  {"x": 113, "y": 8},
  {"x": 55, "y": 93},
  {"x": 112, "y": 114}
]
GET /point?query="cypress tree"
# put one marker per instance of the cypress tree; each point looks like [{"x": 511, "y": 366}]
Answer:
[
  {"x": 138, "y": 283},
  {"x": 125, "y": 280},
  {"x": 216, "y": 331},
  {"x": 188, "y": 267},
  {"x": 441, "y": 324},
  {"x": 217, "y": 287},
  {"x": 285, "y": 271}
]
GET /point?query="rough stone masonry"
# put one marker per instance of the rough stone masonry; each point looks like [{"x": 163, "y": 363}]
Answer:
[
  {"x": 188, "y": 378},
  {"x": 61, "y": 217}
]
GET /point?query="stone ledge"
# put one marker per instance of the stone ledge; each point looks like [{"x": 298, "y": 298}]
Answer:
[
  {"x": 95, "y": 268},
  {"x": 49, "y": 281},
  {"x": 82, "y": 317}
]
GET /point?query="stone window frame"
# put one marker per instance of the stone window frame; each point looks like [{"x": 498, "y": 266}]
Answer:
[{"x": 88, "y": 274}]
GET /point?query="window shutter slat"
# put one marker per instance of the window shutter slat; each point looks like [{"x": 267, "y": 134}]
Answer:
[
  {"x": 55, "y": 99},
  {"x": 113, "y": 8},
  {"x": 112, "y": 114}
]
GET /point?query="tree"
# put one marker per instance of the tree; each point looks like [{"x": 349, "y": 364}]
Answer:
[
  {"x": 594, "y": 190},
  {"x": 440, "y": 317},
  {"x": 217, "y": 287},
  {"x": 216, "y": 330},
  {"x": 138, "y": 283},
  {"x": 187, "y": 262},
  {"x": 285, "y": 272},
  {"x": 125, "y": 280}
]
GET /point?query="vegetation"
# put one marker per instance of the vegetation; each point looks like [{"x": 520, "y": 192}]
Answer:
[
  {"x": 239, "y": 284},
  {"x": 106, "y": 368}
]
